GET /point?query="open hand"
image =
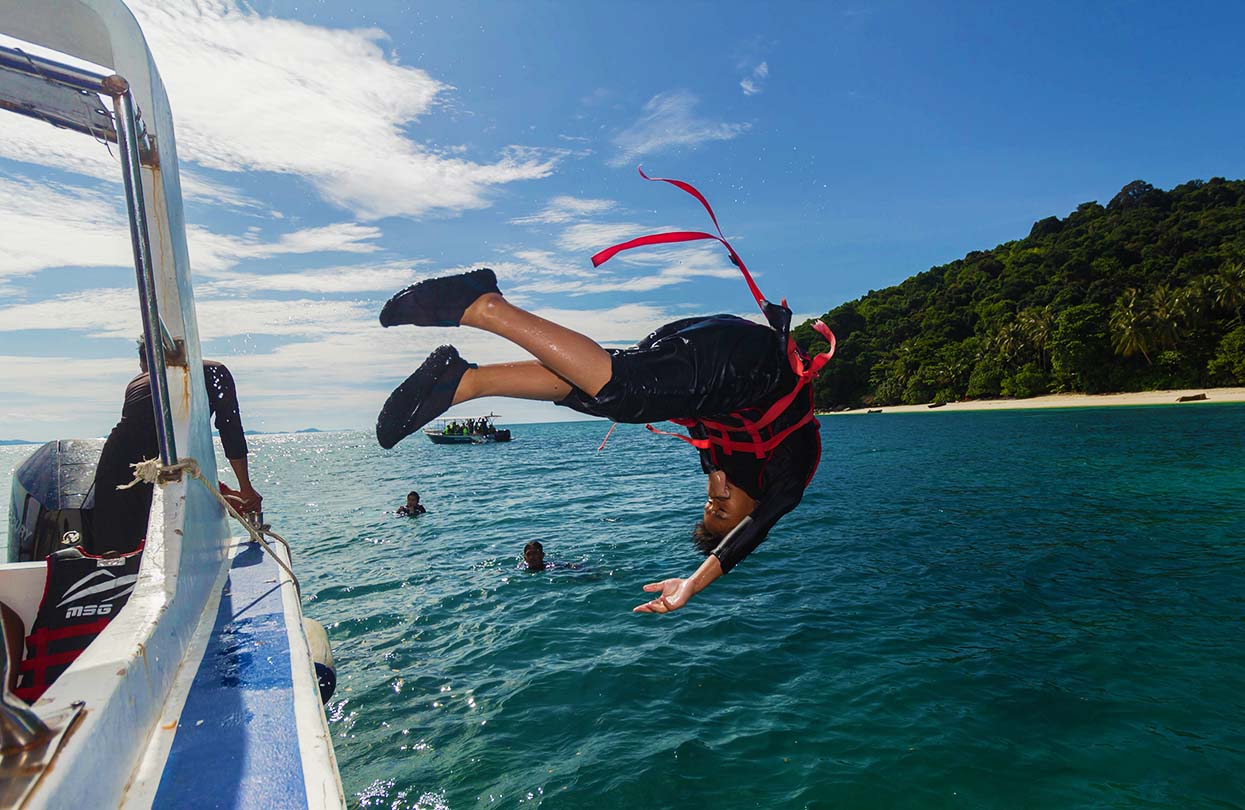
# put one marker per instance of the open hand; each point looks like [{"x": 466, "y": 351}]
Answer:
[{"x": 674, "y": 595}]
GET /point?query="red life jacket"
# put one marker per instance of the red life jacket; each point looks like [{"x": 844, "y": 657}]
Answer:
[
  {"x": 81, "y": 595},
  {"x": 750, "y": 430}
]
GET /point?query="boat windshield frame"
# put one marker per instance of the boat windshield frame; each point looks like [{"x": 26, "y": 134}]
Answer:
[{"x": 60, "y": 87}]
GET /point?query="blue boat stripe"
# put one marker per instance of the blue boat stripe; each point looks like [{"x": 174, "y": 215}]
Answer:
[{"x": 237, "y": 739}]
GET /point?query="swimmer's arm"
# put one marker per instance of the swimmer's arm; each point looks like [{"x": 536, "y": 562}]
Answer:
[{"x": 675, "y": 593}]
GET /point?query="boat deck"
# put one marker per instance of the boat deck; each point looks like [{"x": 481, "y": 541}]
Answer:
[{"x": 237, "y": 738}]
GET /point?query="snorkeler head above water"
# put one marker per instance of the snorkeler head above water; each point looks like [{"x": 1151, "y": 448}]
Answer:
[
  {"x": 413, "y": 507},
  {"x": 534, "y": 556}
]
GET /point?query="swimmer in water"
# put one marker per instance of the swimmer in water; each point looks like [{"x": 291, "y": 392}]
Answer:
[
  {"x": 534, "y": 556},
  {"x": 413, "y": 507}
]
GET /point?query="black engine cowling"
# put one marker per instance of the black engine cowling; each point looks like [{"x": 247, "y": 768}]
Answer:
[{"x": 51, "y": 496}]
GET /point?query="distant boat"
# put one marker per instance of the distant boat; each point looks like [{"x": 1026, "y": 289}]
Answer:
[
  {"x": 937, "y": 404},
  {"x": 466, "y": 430},
  {"x": 1192, "y": 398},
  {"x": 874, "y": 410}
]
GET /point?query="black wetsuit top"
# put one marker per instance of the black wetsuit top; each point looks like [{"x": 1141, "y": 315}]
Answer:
[
  {"x": 710, "y": 368},
  {"x": 119, "y": 520},
  {"x": 416, "y": 512}
]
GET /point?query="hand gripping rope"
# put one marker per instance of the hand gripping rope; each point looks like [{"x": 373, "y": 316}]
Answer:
[{"x": 151, "y": 471}]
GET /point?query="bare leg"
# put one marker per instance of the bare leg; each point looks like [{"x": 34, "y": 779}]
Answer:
[
  {"x": 526, "y": 380},
  {"x": 567, "y": 354}
]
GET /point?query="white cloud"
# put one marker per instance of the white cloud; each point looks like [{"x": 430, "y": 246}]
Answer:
[
  {"x": 100, "y": 313},
  {"x": 113, "y": 313},
  {"x": 387, "y": 277},
  {"x": 670, "y": 122},
  {"x": 755, "y": 82},
  {"x": 212, "y": 252},
  {"x": 565, "y": 209},
  {"x": 324, "y": 104},
  {"x": 48, "y": 225},
  {"x": 255, "y": 93},
  {"x": 30, "y": 141},
  {"x": 590, "y": 237},
  {"x": 676, "y": 265},
  {"x": 27, "y": 412}
]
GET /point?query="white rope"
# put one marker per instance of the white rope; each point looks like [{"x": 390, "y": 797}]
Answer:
[{"x": 151, "y": 471}]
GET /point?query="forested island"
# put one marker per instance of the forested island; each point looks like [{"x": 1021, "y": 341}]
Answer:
[{"x": 1145, "y": 293}]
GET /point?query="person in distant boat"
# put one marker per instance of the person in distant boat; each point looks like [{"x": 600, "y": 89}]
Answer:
[
  {"x": 413, "y": 507},
  {"x": 119, "y": 520},
  {"x": 740, "y": 387},
  {"x": 534, "y": 556}
]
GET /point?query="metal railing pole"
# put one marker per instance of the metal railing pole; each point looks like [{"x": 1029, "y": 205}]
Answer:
[{"x": 153, "y": 343}]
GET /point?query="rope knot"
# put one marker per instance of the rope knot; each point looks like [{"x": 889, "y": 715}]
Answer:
[{"x": 151, "y": 471}]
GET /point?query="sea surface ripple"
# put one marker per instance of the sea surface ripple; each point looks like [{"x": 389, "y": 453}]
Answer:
[{"x": 1040, "y": 609}]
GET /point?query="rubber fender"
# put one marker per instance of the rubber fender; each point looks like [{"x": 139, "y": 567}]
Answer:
[{"x": 321, "y": 657}]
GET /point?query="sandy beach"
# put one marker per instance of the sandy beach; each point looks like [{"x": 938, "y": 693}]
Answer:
[{"x": 1213, "y": 395}]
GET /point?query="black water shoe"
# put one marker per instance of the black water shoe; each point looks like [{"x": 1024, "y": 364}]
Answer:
[
  {"x": 424, "y": 396},
  {"x": 438, "y": 301}
]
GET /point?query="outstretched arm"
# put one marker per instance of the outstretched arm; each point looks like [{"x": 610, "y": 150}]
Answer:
[{"x": 676, "y": 592}]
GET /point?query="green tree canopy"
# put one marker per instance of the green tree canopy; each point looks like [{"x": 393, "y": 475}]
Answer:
[{"x": 1084, "y": 303}]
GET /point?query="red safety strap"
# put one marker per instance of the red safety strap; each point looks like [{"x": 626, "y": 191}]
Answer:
[
  {"x": 42, "y": 660},
  {"x": 684, "y": 236},
  {"x": 804, "y": 368}
]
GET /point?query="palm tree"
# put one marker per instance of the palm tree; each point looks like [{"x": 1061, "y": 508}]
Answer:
[
  {"x": 1167, "y": 316},
  {"x": 1038, "y": 324},
  {"x": 1009, "y": 342},
  {"x": 1129, "y": 328},
  {"x": 1199, "y": 297},
  {"x": 1230, "y": 288}
]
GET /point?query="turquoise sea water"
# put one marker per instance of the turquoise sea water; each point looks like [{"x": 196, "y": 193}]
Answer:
[{"x": 1037, "y": 609}]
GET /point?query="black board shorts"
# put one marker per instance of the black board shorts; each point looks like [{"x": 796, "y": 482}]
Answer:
[{"x": 689, "y": 369}]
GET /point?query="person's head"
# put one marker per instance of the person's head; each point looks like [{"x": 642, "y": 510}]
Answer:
[
  {"x": 725, "y": 506},
  {"x": 412, "y": 499},
  {"x": 534, "y": 556},
  {"x": 142, "y": 356}
]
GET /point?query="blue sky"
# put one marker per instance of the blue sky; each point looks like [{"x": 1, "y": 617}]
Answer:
[{"x": 333, "y": 154}]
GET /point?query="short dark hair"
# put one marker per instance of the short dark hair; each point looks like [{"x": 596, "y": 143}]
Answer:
[
  {"x": 534, "y": 544},
  {"x": 704, "y": 539},
  {"x": 413, "y": 492}
]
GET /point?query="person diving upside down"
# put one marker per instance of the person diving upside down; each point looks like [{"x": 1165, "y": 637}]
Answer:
[{"x": 740, "y": 387}]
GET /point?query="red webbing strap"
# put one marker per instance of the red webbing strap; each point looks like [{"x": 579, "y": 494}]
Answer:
[
  {"x": 37, "y": 665},
  {"x": 608, "y": 433},
  {"x": 699, "y": 444},
  {"x": 719, "y": 436},
  {"x": 604, "y": 256},
  {"x": 684, "y": 236}
]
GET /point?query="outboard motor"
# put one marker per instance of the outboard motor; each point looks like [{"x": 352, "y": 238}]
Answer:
[{"x": 50, "y": 498}]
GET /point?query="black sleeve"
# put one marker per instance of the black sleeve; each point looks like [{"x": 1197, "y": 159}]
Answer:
[
  {"x": 785, "y": 475},
  {"x": 752, "y": 530},
  {"x": 223, "y": 402}
]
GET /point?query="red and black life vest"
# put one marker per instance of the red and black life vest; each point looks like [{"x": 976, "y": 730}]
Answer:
[
  {"x": 81, "y": 594},
  {"x": 751, "y": 430}
]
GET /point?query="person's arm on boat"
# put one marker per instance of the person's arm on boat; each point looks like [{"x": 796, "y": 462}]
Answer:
[
  {"x": 223, "y": 399},
  {"x": 252, "y": 501}
]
